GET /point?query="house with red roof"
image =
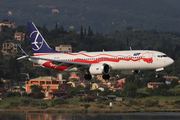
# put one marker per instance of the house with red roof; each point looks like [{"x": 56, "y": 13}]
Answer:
[
  {"x": 9, "y": 24},
  {"x": 56, "y": 93}
]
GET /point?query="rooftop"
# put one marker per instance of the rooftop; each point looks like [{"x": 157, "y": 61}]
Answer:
[{"x": 45, "y": 78}]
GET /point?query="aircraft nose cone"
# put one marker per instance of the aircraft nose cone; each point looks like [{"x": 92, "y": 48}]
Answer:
[{"x": 170, "y": 61}]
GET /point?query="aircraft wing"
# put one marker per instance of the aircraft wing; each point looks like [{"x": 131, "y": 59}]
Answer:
[{"x": 65, "y": 63}]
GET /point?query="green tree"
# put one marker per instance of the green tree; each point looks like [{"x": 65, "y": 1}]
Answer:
[
  {"x": 129, "y": 90},
  {"x": 90, "y": 33},
  {"x": 130, "y": 79},
  {"x": 81, "y": 34},
  {"x": 1, "y": 83},
  {"x": 174, "y": 83},
  {"x": 36, "y": 89},
  {"x": 45, "y": 32},
  {"x": 86, "y": 106}
]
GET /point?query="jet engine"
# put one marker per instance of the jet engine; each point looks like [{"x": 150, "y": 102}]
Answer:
[{"x": 100, "y": 68}]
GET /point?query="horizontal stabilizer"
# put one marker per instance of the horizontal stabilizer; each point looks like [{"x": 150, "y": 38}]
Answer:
[{"x": 23, "y": 53}]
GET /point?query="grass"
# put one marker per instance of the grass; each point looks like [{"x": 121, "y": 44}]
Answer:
[{"x": 26, "y": 104}]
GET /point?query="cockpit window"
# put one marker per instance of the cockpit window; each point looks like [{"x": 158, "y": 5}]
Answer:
[
  {"x": 165, "y": 56},
  {"x": 162, "y": 56}
]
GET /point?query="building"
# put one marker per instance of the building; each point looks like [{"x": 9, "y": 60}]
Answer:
[
  {"x": 36, "y": 65},
  {"x": 76, "y": 76},
  {"x": 64, "y": 48},
  {"x": 154, "y": 84},
  {"x": 10, "y": 47},
  {"x": 9, "y": 24},
  {"x": 99, "y": 77},
  {"x": 96, "y": 86},
  {"x": 170, "y": 78},
  {"x": 47, "y": 83},
  {"x": 54, "y": 93},
  {"x": 61, "y": 48},
  {"x": 122, "y": 80},
  {"x": 19, "y": 36},
  {"x": 76, "y": 83},
  {"x": 110, "y": 84},
  {"x": 3, "y": 93}
]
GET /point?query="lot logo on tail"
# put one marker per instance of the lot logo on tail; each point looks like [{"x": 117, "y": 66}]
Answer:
[{"x": 38, "y": 41}]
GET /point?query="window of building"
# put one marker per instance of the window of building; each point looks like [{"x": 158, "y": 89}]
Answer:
[
  {"x": 42, "y": 82},
  {"x": 48, "y": 82}
]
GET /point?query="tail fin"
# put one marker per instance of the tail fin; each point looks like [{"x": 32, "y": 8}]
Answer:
[{"x": 38, "y": 43}]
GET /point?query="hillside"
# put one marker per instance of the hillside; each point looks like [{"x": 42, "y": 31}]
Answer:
[{"x": 104, "y": 16}]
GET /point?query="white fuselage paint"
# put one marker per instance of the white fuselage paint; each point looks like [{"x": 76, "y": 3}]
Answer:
[{"x": 117, "y": 60}]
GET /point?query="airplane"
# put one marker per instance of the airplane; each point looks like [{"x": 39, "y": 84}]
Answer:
[{"x": 94, "y": 63}]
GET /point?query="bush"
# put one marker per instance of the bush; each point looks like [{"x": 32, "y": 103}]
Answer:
[
  {"x": 33, "y": 103},
  {"x": 166, "y": 102},
  {"x": 14, "y": 104},
  {"x": 38, "y": 95},
  {"x": 24, "y": 94},
  {"x": 133, "y": 102},
  {"x": 58, "y": 101},
  {"x": 42, "y": 106},
  {"x": 101, "y": 100},
  {"x": 86, "y": 106},
  {"x": 101, "y": 106},
  {"x": 22, "y": 89},
  {"x": 13, "y": 94},
  {"x": 177, "y": 102},
  {"x": 150, "y": 103},
  {"x": 25, "y": 102}
]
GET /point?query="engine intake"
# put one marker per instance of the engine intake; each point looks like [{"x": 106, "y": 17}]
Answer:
[{"x": 100, "y": 68}]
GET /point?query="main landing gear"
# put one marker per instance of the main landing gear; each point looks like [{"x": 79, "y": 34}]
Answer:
[
  {"x": 88, "y": 76},
  {"x": 157, "y": 75},
  {"x": 106, "y": 76}
]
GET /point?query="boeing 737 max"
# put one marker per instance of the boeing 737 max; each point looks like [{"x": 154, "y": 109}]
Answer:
[{"x": 94, "y": 62}]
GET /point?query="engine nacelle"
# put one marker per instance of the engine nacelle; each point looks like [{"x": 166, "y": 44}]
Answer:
[{"x": 100, "y": 68}]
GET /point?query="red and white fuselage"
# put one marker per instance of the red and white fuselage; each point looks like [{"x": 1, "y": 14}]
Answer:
[
  {"x": 93, "y": 62},
  {"x": 117, "y": 60}
]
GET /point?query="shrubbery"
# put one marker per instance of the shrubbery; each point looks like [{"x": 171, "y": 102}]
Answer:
[
  {"x": 102, "y": 100},
  {"x": 13, "y": 94},
  {"x": 151, "y": 103},
  {"x": 133, "y": 102},
  {"x": 177, "y": 102},
  {"x": 58, "y": 101}
]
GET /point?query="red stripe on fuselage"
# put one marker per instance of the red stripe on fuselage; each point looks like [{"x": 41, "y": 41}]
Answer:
[
  {"x": 49, "y": 64},
  {"x": 101, "y": 59}
]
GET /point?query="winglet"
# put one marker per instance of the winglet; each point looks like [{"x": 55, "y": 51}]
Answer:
[
  {"x": 130, "y": 48},
  {"x": 23, "y": 53}
]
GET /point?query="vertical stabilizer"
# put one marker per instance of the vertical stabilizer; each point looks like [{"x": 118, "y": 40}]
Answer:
[{"x": 38, "y": 43}]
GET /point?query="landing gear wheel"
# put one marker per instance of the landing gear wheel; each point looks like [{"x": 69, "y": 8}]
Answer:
[
  {"x": 106, "y": 76},
  {"x": 88, "y": 76},
  {"x": 157, "y": 75}
]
